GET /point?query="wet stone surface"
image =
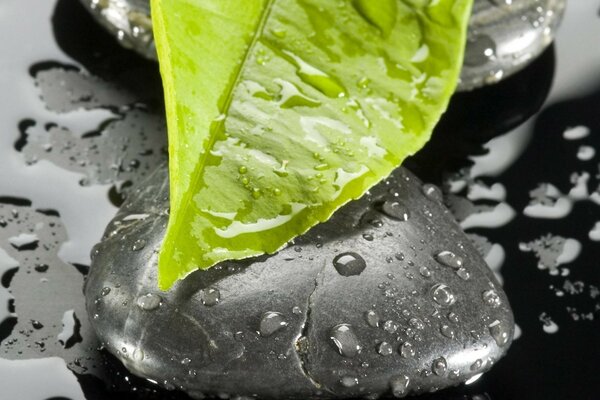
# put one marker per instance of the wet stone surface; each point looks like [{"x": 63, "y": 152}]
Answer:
[
  {"x": 505, "y": 36},
  {"x": 385, "y": 318}
]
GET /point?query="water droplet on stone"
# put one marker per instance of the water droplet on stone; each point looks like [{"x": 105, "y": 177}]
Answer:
[
  {"x": 270, "y": 323},
  {"x": 480, "y": 50},
  {"x": 449, "y": 259},
  {"x": 296, "y": 310},
  {"x": 425, "y": 272},
  {"x": 186, "y": 361},
  {"x": 502, "y": 3},
  {"x": 439, "y": 366},
  {"x": 442, "y": 295},
  {"x": 348, "y": 264},
  {"x": 371, "y": 218},
  {"x": 396, "y": 210},
  {"x": 476, "y": 365},
  {"x": 385, "y": 349},
  {"x": 447, "y": 331},
  {"x": 210, "y": 296},
  {"x": 399, "y": 385},
  {"x": 349, "y": 381},
  {"x": 105, "y": 291},
  {"x": 138, "y": 355},
  {"x": 491, "y": 298},
  {"x": 453, "y": 317},
  {"x": 345, "y": 340},
  {"x": 499, "y": 333},
  {"x": 463, "y": 273},
  {"x": 368, "y": 237},
  {"x": 372, "y": 318},
  {"x": 407, "y": 350},
  {"x": 138, "y": 245},
  {"x": 454, "y": 374},
  {"x": 149, "y": 302},
  {"x": 432, "y": 192},
  {"x": 390, "y": 326},
  {"x": 416, "y": 323}
]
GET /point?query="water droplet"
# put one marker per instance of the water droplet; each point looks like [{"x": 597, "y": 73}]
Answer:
[
  {"x": 380, "y": 14},
  {"x": 186, "y": 361},
  {"x": 449, "y": 259},
  {"x": 432, "y": 192},
  {"x": 371, "y": 218},
  {"x": 372, "y": 318},
  {"x": 36, "y": 324},
  {"x": 368, "y": 237},
  {"x": 317, "y": 78},
  {"x": 210, "y": 296},
  {"x": 499, "y": 333},
  {"x": 138, "y": 245},
  {"x": 396, "y": 210},
  {"x": 41, "y": 267},
  {"x": 447, "y": 331},
  {"x": 416, "y": 323},
  {"x": 390, "y": 326},
  {"x": 270, "y": 323},
  {"x": 349, "y": 381},
  {"x": 385, "y": 349},
  {"x": 442, "y": 295},
  {"x": 480, "y": 50},
  {"x": 363, "y": 83},
  {"x": 453, "y": 317},
  {"x": 348, "y": 264},
  {"x": 345, "y": 340},
  {"x": 407, "y": 350},
  {"x": 399, "y": 385},
  {"x": 454, "y": 374},
  {"x": 500, "y": 3},
  {"x": 463, "y": 273},
  {"x": 138, "y": 355},
  {"x": 296, "y": 310},
  {"x": 425, "y": 272},
  {"x": 105, "y": 291},
  {"x": 149, "y": 302},
  {"x": 439, "y": 366},
  {"x": 491, "y": 298},
  {"x": 280, "y": 33},
  {"x": 476, "y": 365}
]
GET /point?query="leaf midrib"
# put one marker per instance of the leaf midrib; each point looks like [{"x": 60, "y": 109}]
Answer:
[{"x": 187, "y": 199}]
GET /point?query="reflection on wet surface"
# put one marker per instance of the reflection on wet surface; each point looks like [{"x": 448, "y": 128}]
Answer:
[{"x": 46, "y": 317}]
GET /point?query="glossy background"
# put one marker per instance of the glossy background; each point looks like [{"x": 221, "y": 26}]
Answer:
[{"x": 111, "y": 94}]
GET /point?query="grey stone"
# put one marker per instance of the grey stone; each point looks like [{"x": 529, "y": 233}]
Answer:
[
  {"x": 322, "y": 331},
  {"x": 504, "y": 35},
  {"x": 128, "y": 20}
]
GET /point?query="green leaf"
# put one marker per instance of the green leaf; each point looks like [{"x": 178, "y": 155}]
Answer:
[{"x": 281, "y": 111}]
